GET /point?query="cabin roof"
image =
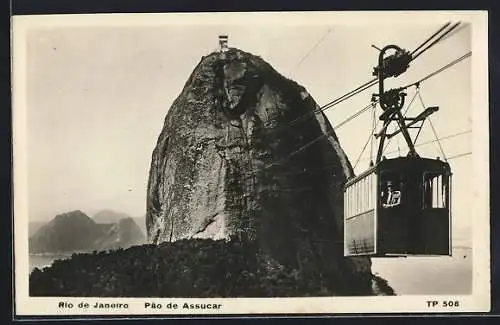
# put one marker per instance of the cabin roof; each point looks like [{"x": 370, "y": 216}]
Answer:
[{"x": 402, "y": 164}]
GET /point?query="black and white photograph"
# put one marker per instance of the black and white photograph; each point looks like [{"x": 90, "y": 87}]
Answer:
[{"x": 250, "y": 163}]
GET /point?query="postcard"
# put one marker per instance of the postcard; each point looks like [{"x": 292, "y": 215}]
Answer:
[{"x": 251, "y": 163}]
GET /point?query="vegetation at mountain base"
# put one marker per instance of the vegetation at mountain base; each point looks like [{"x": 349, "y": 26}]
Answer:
[{"x": 188, "y": 268}]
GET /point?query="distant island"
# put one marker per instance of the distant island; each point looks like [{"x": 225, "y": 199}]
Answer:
[
  {"x": 75, "y": 231},
  {"x": 110, "y": 216}
]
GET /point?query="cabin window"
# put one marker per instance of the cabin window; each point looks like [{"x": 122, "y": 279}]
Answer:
[
  {"x": 369, "y": 191},
  {"x": 435, "y": 188},
  {"x": 351, "y": 202},
  {"x": 363, "y": 195},
  {"x": 391, "y": 187},
  {"x": 359, "y": 197},
  {"x": 347, "y": 203},
  {"x": 350, "y": 206}
]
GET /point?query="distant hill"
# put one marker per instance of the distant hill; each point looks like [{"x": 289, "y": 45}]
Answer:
[
  {"x": 71, "y": 231},
  {"x": 141, "y": 222},
  {"x": 109, "y": 216},
  {"x": 34, "y": 226},
  {"x": 123, "y": 234},
  {"x": 76, "y": 232}
]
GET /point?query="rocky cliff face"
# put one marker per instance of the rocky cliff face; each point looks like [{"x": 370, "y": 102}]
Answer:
[{"x": 233, "y": 161}]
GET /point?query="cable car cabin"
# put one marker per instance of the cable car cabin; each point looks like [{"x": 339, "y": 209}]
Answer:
[{"x": 400, "y": 207}]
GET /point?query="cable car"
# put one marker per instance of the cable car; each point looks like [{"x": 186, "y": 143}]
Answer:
[{"x": 399, "y": 206}]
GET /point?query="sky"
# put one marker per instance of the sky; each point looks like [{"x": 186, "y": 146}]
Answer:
[{"x": 97, "y": 95}]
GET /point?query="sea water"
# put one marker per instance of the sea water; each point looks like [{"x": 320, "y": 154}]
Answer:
[
  {"x": 43, "y": 260},
  {"x": 437, "y": 275}
]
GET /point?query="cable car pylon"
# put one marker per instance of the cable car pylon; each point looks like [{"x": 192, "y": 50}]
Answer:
[{"x": 392, "y": 101}]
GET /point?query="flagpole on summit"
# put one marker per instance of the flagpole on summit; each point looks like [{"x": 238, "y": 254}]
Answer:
[{"x": 223, "y": 43}]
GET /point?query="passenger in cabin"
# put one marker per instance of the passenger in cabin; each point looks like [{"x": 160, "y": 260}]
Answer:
[{"x": 391, "y": 195}]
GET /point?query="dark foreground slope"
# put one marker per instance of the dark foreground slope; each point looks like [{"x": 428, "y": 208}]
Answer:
[{"x": 189, "y": 268}]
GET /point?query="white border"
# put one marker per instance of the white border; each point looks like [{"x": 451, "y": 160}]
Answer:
[{"x": 478, "y": 301}]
